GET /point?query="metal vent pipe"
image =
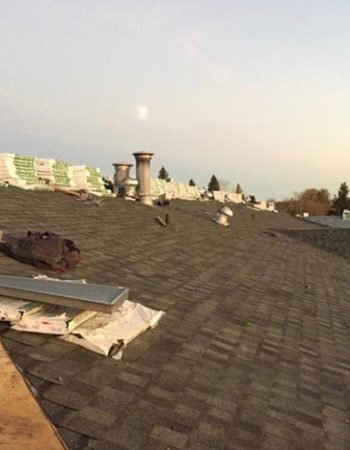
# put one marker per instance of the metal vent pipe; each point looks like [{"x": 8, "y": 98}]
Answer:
[{"x": 143, "y": 175}]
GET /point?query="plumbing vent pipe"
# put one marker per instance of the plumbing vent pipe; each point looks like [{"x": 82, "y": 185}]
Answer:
[
  {"x": 121, "y": 173},
  {"x": 130, "y": 185},
  {"x": 143, "y": 175}
]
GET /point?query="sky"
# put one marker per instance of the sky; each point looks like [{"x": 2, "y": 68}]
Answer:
[{"x": 255, "y": 92}]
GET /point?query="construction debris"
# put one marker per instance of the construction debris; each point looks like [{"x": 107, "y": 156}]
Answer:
[
  {"x": 162, "y": 200},
  {"x": 87, "y": 197},
  {"x": 53, "y": 319},
  {"x": 45, "y": 250},
  {"x": 161, "y": 221},
  {"x": 109, "y": 335},
  {"x": 104, "y": 333},
  {"x": 12, "y": 310}
]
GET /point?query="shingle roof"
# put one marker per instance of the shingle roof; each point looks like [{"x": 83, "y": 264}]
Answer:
[{"x": 253, "y": 353}]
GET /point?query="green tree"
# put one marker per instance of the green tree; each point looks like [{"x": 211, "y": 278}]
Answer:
[
  {"x": 191, "y": 183},
  {"x": 213, "y": 184},
  {"x": 341, "y": 201},
  {"x": 163, "y": 174}
]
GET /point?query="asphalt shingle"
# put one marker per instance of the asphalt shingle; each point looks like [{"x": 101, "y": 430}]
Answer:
[{"x": 253, "y": 352}]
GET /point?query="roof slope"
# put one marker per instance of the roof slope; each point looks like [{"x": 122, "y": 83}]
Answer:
[{"x": 254, "y": 352}]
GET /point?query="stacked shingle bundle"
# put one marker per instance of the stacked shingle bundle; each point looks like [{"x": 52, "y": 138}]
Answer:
[
  {"x": 158, "y": 187},
  {"x": 8, "y": 170},
  {"x": 94, "y": 180},
  {"x": 222, "y": 197},
  {"x": 90, "y": 178},
  {"x": 174, "y": 190},
  {"x": 26, "y": 172},
  {"x": 62, "y": 174},
  {"x": 19, "y": 171},
  {"x": 44, "y": 168},
  {"x": 194, "y": 193},
  {"x": 80, "y": 177}
]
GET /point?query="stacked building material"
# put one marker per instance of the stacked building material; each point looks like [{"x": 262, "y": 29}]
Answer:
[
  {"x": 194, "y": 192},
  {"x": 62, "y": 174},
  {"x": 94, "y": 179},
  {"x": 7, "y": 169},
  {"x": 90, "y": 178},
  {"x": 80, "y": 177},
  {"x": 223, "y": 196},
  {"x": 44, "y": 168},
  {"x": 25, "y": 170},
  {"x": 174, "y": 189},
  {"x": 158, "y": 187},
  {"x": 19, "y": 171}
]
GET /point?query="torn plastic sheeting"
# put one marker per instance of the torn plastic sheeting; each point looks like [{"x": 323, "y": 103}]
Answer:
[
  {"x": 109, "y": 334},
  {"x": 58, "y": 320},
  {"x": 12, "y": 310},
  {"x": 45, "y": 277}
]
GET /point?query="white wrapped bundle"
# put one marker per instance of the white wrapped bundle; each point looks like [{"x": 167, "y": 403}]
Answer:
[
  {"x": 63, "y": 174},
  {"x": 44, "y": 168},
  {"x": 90, "y": 178},
  {"x": 80, "y": 177},
  {"x": 158, "y": 187},
  {"x": 7, "y": 168}
]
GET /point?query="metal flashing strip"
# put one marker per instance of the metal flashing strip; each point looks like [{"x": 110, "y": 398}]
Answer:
[{"x": 93, "y": 297}]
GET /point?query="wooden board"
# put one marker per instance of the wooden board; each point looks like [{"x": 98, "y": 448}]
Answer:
[{"x": 23, "y": 425}]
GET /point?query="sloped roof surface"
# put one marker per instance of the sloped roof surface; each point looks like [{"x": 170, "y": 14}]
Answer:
[{"x": 253, "y": 353}]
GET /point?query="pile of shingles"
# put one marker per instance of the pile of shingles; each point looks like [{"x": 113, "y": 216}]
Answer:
[
  {"x": 29, "y": 172},
  {"x": 7, "y": 169},
  {"x": 97, "y": 317},
  {"x": 62, "y": 174},
  {"x": 20, "y": 171},
  {"x": 44, "y": 168},
  {"x": 89, "y": 178},
  {"x": 173, "y": 189},
  {"x": 223, "y": 196}
]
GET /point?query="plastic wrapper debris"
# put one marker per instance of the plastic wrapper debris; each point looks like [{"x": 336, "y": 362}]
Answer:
[
  {"x": 58, "y": 320},
  {"x": 12, "y": 310},
  {"x": 109, "y": 334}
]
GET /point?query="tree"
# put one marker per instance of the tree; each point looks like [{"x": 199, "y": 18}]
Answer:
[
  {"x": 213, "y": 184},
  {"x": 163, "y": 174},
  {"x": 239, "y": 190},
  {"x": 252, "y": 199},
  {"x": 191, "y": 183},
  {"x": 314, "y": 201},
  {"x": 342, "y": 201}
]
